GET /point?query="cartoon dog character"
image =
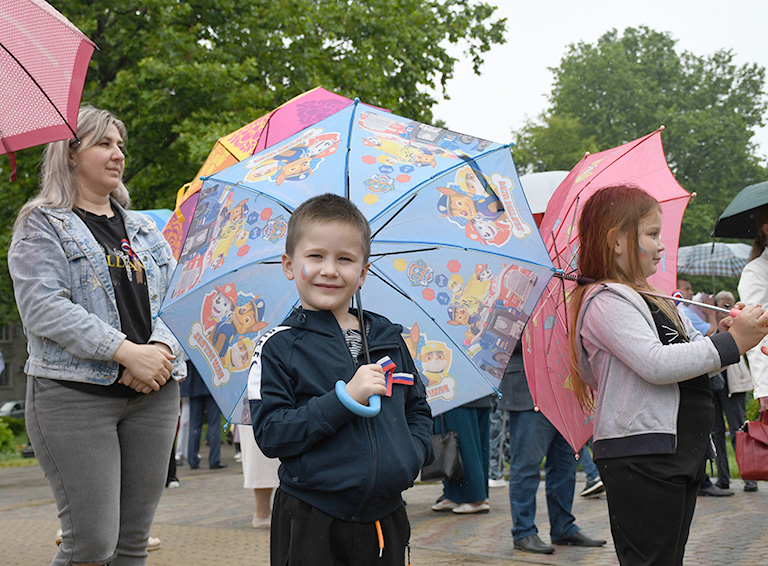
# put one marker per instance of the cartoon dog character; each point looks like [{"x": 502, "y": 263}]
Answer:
[
  {"x": 435, "y": 361},
  {"x": 245, "y": 319}
]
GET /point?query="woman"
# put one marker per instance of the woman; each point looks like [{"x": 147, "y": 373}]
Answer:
[
  {"x": 753, "y": 290},
  {"x": 89, "y": 277}
]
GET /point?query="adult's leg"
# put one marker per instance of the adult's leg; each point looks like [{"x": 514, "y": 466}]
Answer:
[
  {"x": 146, "y": 433},
  {"x": 528, "y": 442},
  {"x": 585, "y": 459},
  {"x": 76, "y": 443},
  {"x": 720, "y": 397},
  {"x": 498, "y": 437},
  {"x": 196, "y": 410},
  {"x": 182, "y": 436},
  {"x": 472, "y": 427},
  {"x": 560, "y": 473},
  {"x": 648, "y": 508},
  {"x": 214, "y": 431},
  {"x": 735, "y": 408}
]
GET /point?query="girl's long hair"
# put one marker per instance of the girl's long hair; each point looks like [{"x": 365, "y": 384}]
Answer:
[
  {"x": 610, "y": 213},
  {"x": 58, "y": 184}
]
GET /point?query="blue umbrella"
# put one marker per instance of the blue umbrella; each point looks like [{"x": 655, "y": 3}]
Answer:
[{"x": 456, "y": 256}]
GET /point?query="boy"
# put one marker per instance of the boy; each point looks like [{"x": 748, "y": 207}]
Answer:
[{"x": 341, "y": 475}]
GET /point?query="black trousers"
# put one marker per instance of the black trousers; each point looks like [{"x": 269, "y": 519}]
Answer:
[{"x": 303, "y": 535}]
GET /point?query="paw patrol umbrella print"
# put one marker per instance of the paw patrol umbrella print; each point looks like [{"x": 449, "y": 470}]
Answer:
[{"x": 456, "y": 256}]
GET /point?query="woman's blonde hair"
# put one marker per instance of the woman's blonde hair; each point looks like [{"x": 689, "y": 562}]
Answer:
[
  {"x": 610, "y": 213},
  {"x": 58, "y": 185}
]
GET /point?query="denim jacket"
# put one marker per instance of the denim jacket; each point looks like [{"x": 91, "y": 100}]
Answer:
[{"x": 65, "y": 296}]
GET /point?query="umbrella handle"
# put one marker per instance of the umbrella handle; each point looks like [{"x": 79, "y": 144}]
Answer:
[{"x": 374, "y": 402}]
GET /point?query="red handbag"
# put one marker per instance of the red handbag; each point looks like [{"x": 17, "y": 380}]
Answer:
[{"x": 752, "y": 449}]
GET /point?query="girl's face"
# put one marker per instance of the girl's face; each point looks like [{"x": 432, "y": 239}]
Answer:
[{"x": 649, "y": 246}]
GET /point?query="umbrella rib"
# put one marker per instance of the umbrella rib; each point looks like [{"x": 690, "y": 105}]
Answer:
[
  {"x": 395, "y": 215},
  {"x": 349, "y": 146},
  {"x": 443, "y": 173},
  {"x": 41, "y": 89}
]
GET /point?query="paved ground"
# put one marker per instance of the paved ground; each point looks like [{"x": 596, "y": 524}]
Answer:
[{"x": 207, "y": 521}]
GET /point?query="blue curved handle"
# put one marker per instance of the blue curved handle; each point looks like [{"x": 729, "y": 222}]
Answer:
[{"x": 374, "y": 402}]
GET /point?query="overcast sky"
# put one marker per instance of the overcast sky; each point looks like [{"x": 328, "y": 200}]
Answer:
[{"x": 515, "y": 81}]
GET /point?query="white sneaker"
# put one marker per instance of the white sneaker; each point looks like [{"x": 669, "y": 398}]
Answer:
[
  {"x": 153, "y": 543},
  {"x": 238, "y": 457},
  {"x": 173, "y": 484},
  {"x": 501, "y": 482}
]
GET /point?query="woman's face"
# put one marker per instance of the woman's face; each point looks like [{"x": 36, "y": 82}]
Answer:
[{"x": 98, "y": 168}]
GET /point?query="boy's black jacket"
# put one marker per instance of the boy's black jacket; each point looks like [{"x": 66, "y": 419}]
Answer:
[{"x": 350, "y": 467}]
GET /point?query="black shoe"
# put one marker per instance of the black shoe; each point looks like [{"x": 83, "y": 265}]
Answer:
[
  {"x": 579, "y": 539},
  {"x": 532, "y": 543},
  {"x": 714, "y": 491},
  {"x": 196, "y": 466},
  {"x": 722, "y": 485},
  {"x": 219, "y": 466},
  {"x": 593, "y": 487},
  {"x": 750, "y": 485}
]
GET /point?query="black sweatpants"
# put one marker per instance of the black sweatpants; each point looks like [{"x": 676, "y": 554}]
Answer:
[{"x": 303, "y": 535}]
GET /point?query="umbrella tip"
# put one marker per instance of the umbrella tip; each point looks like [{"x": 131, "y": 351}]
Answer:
[
  {"x": 661, "y": 128},
  {"x": 694, "y": 194}
]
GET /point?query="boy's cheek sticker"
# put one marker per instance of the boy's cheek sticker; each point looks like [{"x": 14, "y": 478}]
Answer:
[{"x": 303, "y": 273}]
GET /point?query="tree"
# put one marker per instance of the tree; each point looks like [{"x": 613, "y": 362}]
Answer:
[
  {"x": 626, "y": 86},
  {"x": 181, "y": 74}
]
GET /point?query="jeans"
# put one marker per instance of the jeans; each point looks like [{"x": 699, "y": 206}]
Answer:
[
  {"x": 531, "y": 438},
  {"x": 585, "y": 459},
  {"x": 106, "y": 459},
  {"x": 735, "y": 411},
  {"x": 198, "y": 406},
  {"x": 499, "y": 443}
]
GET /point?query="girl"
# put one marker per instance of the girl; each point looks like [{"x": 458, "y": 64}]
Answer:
[{"x": 653, "y": 411}]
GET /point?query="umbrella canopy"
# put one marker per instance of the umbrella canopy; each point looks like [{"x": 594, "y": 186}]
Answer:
[
  {"x": 456, "y": 257},
  {"x": 738, "y": 218},
  {"x": 713, "y": 258},
  {"x": 273, "y": 127},
  {"x": 545, "y": 341},
  {"x": 44, "y": 59}
]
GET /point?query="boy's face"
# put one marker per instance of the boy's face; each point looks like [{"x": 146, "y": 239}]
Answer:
[{"x": 327, "y": 266}]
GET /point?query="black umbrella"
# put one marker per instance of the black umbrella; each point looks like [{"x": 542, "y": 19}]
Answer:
[{"x": 738, "y": 219}]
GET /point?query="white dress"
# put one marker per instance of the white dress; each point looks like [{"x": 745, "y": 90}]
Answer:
[{"x": 259, "y": 472}]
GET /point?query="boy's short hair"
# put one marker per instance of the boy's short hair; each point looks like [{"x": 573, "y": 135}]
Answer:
[{"x": 327, "y": 208}]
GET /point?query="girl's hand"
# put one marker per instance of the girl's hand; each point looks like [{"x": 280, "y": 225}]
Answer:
[
  {"x": 749, "y": 327},
  {"x": 727, "y": 321},
  {"x": 151, "y": 364},
  {"x": 368, "y": 380}
]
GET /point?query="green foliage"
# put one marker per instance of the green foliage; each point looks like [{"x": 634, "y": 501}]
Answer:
[
  {"x": 6, "y": 438},
  {"x": 16, "y": 426},
  {"x": 628, "y": 85},
  {"x": 182, "y": 74}
]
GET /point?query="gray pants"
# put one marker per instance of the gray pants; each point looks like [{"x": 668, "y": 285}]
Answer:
[{"x": 106, "y": 459}]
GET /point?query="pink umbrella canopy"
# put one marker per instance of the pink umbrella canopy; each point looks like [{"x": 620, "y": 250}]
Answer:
[
  {"x": 545, "y": 341},
  {"x": 43, "y": 63}
]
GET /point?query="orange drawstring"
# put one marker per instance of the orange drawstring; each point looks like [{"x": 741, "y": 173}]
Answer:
[{"x": 380, "y": 534}]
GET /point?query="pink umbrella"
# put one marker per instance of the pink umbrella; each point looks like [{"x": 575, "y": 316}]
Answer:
[
  {"x": 271, "y": 128},
  {"x": 545, "y": 341},
  {"x": 43, "y": 63}
]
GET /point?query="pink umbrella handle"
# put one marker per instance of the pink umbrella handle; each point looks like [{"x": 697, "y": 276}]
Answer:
[{"x": 734, "y": 313}]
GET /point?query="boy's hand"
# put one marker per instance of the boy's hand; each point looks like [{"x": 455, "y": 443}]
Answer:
[
  {"x": 368, "y": 380},
  {"x": 749, "y": 327}
]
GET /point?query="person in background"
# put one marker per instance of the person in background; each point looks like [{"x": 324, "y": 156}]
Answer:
[
  {"x": 472, "y": 423},
  {"x": 753, "y": 290},
  {"x": 594, "y": 485},
  {"x": 259, "y": 474},
  {"x": 201, "y": 405},
  {"x": 499, "y": 447},
  {"x": 531, "y": 439},
  {"x": 89, "y": 276}
]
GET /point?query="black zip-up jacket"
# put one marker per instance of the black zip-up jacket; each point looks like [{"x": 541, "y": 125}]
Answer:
[{"x": 350, "y": 467}]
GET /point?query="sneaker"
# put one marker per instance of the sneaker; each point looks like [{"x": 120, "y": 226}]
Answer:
[
  {"x": 444, "y": 505},
  {"x": 257, "y": 523},
  {"x": 238, "y": 457},
  {"x": 173, "y": 484},
  {"x": 58, "y": 537},
  {"x": 469, "y": 508},
  {"x": 501, "y": 482},
  {"x": 153, "y": 543},
  {"x": 592, "y": 487}
]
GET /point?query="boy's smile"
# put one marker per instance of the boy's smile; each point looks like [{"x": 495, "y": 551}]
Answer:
[{"x": 327, "y": 266}]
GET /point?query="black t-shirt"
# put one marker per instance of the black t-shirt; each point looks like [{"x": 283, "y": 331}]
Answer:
[{"x": 129, "y": 279}]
